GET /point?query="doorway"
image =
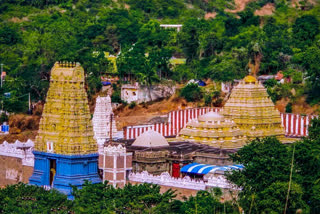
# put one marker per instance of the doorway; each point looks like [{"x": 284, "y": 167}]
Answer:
[{"x": 53, "y": 168}]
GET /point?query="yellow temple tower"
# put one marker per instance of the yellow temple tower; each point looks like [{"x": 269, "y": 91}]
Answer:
[
  {"x": 65, "y": 122},
  {"x": 215, "y": 130},
  {"x": 250, "y": 107},
  {"x": 65, "y": 151}
]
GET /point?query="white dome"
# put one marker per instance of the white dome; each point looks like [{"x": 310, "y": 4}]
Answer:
[
  {"x": 211, "y": 116},
  {"x": 150, "y": 138}
]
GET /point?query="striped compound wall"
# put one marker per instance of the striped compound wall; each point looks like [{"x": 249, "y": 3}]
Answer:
[{"x": 295, "y": 125}]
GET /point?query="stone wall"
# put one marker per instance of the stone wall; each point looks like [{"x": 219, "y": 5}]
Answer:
[
  {"x": 139, "y": 94},
  {"x": 186, "y": 187},
  {"x": 12, "y": 171},
  {"x": 16, "y": 162}
]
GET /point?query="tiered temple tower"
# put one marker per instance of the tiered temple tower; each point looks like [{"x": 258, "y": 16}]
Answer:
[
  {"x": 250, "y": 107},
  {"x": 214, "y": 130},
  {"x": 65, "y": 151},
  {"x": 104, "y": 125}
]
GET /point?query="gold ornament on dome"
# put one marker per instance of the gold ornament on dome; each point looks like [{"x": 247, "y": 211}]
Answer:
[{"x": 250, "y": 79}]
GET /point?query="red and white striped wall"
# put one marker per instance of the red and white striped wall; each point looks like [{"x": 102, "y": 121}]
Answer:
[
  {"x": 176, "y": 121},
  {"x": 295, "y": 125}
]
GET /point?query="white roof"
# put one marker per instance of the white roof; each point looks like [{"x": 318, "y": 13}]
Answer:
[
  {"x": 150, "y": 138},
  {"x": 211, "y": 116}
]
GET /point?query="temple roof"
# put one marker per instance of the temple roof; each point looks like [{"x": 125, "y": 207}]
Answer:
[
  {"x": 251, "y": 108},
  {"x": 150, "y": 138},
  {"x": 210, "y": 116},
  {"x": 214, "y": 130}
]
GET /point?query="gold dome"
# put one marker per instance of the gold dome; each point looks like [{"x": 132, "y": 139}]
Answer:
[
  {"x": 214, "y": 130},
  {"x": 250, "y": 79}
]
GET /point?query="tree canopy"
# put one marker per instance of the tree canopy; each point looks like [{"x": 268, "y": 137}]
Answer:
[{"x": 266, "y": 175}]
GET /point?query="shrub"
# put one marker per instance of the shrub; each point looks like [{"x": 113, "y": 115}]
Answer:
[
  {"x": 3, "y": 118},
  {"x": 191, "y": 92},
  {"x": 208, "y": 99},
  {"x": 132, "y": 105},
  {"x": 116, "y": 97},
  {"x": 289, "y": 108}
]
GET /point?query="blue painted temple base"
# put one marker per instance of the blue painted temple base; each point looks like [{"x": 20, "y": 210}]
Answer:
[{"x": 59, "y": 171}]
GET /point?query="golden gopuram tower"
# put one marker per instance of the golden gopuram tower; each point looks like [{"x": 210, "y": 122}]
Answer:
[
  {"x": 215, "y": 130},
  {"x": 250, "y": 107},
  {"x": 65, "y": 122},
  {"x": 65, "y": 151}
]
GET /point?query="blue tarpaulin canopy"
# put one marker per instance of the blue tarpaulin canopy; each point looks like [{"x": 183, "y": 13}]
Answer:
[
  {"x": 197, "y": 168},
  {"x": 106, "y": 83}
]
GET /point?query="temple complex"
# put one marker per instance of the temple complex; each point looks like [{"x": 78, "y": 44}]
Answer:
[
  {"x": 104, "y": 126},
  {"x": 65, "y": 150},
  {"x": 250, "y": 107},
  {"x": 214, "y": 130}
]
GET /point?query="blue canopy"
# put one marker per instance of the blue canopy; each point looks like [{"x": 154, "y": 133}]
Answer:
[
  {"x": 104, "y": 83},
  {"x": 197, "y": 168}
]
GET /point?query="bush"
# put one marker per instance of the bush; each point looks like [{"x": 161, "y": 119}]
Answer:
[
  {"x": 132, "y": 105},
  {"x": 191, "y": 92},
  {"x": 3, "y": 118},
  {"x": 116, "y": 97},
  {"x": 270, "y": 83},
  {"x": 208, "y": 99},
  {"x": 289, "y": 108}
]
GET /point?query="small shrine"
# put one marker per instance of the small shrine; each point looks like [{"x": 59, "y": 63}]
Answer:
[
  {"x": 115, "y": 165},
  {"x": 251, "y": 108},
  {"x": 150, "y": 153},
  {"x": 214, "y": 130},
  {"x": 65, "y": 151},
  {"x": 104, "y": 126}
]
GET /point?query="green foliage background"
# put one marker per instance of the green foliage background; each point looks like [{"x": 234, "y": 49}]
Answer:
[{"x": 35, "y": 34}]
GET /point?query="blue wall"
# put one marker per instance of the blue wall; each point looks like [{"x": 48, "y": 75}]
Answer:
[{"x": 70, "y": 169}]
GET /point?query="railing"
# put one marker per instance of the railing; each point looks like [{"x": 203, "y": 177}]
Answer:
[
  {"x": 166, "y": 180},
  {"x": 185, "y": 183}
]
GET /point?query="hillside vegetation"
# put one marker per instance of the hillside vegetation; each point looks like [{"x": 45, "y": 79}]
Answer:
[{"x": 36, "y": 33}]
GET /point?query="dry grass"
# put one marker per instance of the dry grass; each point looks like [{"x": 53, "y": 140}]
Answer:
[
  {"x": 266, "y": 10},
  {"x": 298, "y": 107},
  {"x": 240, "y": 6},
  {"x": 143, "y": 113},
  {"x": 22, "y": 137}
]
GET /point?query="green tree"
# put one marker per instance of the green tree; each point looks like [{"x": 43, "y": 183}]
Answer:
[
  {"x": 191, "y": 92},
  {"x": 229, "y": 66},
  {"x": 307, "y": 161},
  {"x": 23, "y": 198},
  {"x": 205, "y": 202},
  {"x": 304, "y": 30},
  {"x": 273, "y": 199},
  {"x": 189, "y": 38},
  {"x": 266, "y": 161},
  {"x": 104, "y": 198},
  {"x": 310, "y": 59}
]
